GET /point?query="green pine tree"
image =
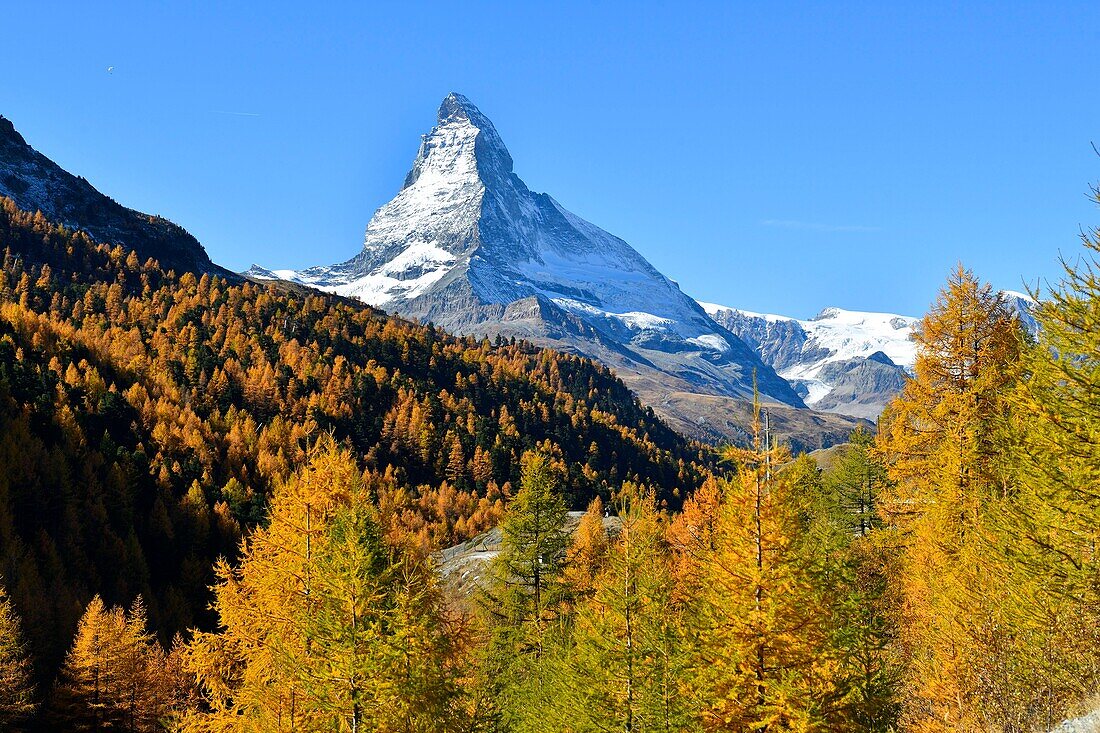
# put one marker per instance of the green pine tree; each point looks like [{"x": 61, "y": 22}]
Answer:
[
  {"x": 850, "y": 557},
  {"x": 1049, "y": 534},
  {"x": 523, "y": 603}
]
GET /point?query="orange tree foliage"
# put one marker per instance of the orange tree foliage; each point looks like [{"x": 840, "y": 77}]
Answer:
[
  {"x": 325, "y": 627},
  {"x": 116, "y": 675},
  {"x": 762, "y": 659},
  {"x": 945, "y": 458},
  {"x": 145, "y": 415}
]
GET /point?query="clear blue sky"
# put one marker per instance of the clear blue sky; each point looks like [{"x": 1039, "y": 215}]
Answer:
[{"x": 776, "y": 157}]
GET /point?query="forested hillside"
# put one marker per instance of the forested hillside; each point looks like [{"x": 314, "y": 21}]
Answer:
[
  {"x": 940, "y": 576},
  {"x": 145, "y": 417},
  {"x": 36, "y": 183}
]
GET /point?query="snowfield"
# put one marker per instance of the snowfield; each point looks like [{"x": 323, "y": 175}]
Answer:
[{"x": 845, "y": 334}]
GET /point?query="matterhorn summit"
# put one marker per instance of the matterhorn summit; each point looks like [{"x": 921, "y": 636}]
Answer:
[{"x": 466, "y": 245}]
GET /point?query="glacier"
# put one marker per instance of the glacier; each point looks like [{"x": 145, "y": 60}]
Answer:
[{"x": 843, "y": 361}]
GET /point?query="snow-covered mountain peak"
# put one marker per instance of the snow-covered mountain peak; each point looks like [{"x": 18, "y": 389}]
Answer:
[
  {"x": 457, "y": 109},
  {"x": 457, "y": 105},
  {"x": 843, "y": 333},
  {"x": 844, "y": 361},
  {"x": 463, "y": 144},
  {"x": 465, "y": 244},
  {"x": 462, "y": 212}
]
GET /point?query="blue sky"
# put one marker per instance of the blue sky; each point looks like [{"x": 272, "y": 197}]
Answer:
[{"x": 778, "y": 157}]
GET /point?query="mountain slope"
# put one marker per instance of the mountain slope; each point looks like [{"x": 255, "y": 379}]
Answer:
[
  {"x": 466, "y": 245},
  {"x": 36, "y": 183},
  {"x": 845, "y": 362},
  {"x": 144, "y": 418}
]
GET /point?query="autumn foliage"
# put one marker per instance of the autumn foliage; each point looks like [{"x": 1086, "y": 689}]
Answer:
[
  {"x": 220, "y": 506},
  {"x": 145, "y": 418}
]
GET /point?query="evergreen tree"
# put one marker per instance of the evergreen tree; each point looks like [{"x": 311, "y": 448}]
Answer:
[
  {"x": 1051, "y": 527},
  {"x": 344, "y": 622},
  {"x": 941, "y": 441},
  {"x": 381, "y": 653},
  {"x": 523, "y": 602},
  {"x": 853, "y": 486},
  {"x": 851, "y": 562},
  {"x": 17, "y": 699},
  {"x": 529, "y": 566},
  {"x": 762, "y": 660}
]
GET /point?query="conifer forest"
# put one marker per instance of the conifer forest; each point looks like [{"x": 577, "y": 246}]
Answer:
[{"x": 221, "y": 507}]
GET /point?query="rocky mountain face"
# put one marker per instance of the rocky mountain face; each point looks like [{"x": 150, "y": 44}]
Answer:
[
  {"x": 465, "y": 244},
  {"x": 36, "y": 183},
  {"x": 845, "y": 362},
  {"x": 860, "y": 386}
]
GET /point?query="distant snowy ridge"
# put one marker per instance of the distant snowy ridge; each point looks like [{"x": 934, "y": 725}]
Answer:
[
  {"x": 1023, "y": 305},
  {"x": 843, "y": 361},
  {"x": 846, "y": 334},
  {"x": 850, "y": 362}
]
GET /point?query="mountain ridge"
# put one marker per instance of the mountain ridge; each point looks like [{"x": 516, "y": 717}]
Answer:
[
  {"x": 843, "y": 361},
  {"x": 36, "y": 183}
]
